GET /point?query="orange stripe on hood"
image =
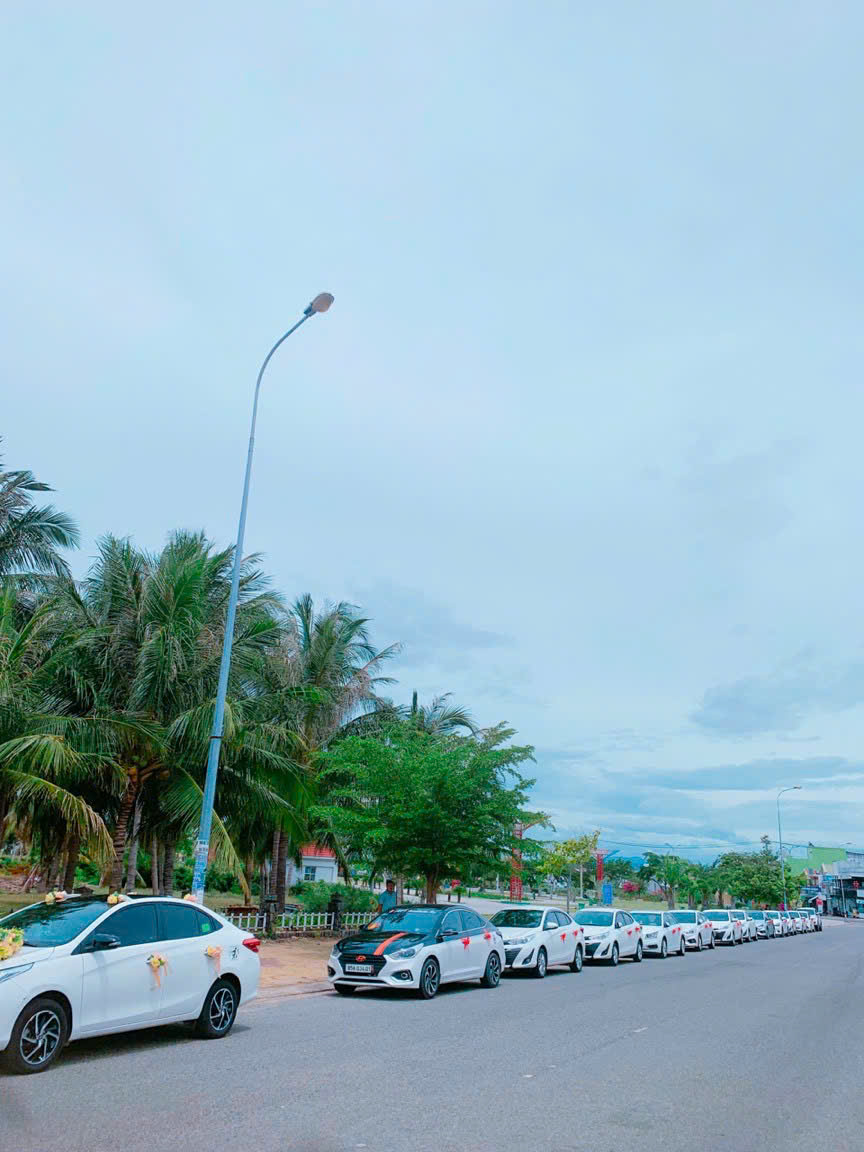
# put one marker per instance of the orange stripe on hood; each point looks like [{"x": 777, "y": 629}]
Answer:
[{"x": 384, "y": 943}]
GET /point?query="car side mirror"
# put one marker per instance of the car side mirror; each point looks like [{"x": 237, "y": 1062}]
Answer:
[
  {"x": 103, "y": 942},
  {"x": 445, "y": 933}
]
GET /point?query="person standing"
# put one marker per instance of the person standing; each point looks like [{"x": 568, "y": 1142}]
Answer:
[{"x": 387, "y": 899}]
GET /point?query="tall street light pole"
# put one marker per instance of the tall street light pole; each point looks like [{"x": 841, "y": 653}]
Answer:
[
  {"x": 202, "y": 848},
  {"x": 794, "y": 788}
]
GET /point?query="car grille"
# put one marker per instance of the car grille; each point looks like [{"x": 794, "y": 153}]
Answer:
[
  {"x": 510, "y": 954},
  {"x": 377, "y": 962},
  {"x": 592, "y": 946}
]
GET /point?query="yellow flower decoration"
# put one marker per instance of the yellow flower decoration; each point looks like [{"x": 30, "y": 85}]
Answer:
[
  {"x": 190, "y": 896},
  {"x": 215, "y": 954},
  {"x": 117, "y": 898},
  {"x": 11, "y": 941},
  {"x": 156, "y": 962},
  {"x": 54, "y": 897}
]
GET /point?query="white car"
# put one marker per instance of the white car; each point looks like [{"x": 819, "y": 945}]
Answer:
[
  {"x": 765, "y": 926},
  {"x": 87, "y": 968},
  {"x": 749, "y": 932},
  {"x": 777, "y": 920},
  {"x": 726, "y": 929},
  {"x": 536, "y": 936},
  {"x": 815, "y": 919},
  {"x": 697, "y": 931},
  {"x": 794, "y": 921},
  {"x": 790, "y": 926},
  {"x": 803, "y": 920},
  {"x": 418, "y": 947},
  {"x": 610, "y": 935},
  {"x": 661, "y": 933}
]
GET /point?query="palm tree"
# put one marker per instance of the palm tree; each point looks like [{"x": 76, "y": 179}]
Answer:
[
  {"x": 143, "y": 667},
  {"x": 30, "y": 535},
  {"x": 440, "y": 717}
]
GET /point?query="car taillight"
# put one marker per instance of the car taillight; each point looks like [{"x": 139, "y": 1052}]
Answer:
[{"x": 252, "y": 943}]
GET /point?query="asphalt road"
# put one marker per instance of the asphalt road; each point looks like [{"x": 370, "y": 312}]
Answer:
[{"x": 757, "y": 1047}]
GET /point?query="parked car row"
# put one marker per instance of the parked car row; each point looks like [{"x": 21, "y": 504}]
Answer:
[
  {"x": 422, "y": 946},
  {"x": 75, "y": 966}
]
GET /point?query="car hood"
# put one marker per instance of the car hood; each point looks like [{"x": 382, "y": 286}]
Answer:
[
  {"x": 26, "y": 955},
  {"x": 379, "y": 943},
  {"x": 514, "y": 933},
  {"x": 593, "y": 930}
]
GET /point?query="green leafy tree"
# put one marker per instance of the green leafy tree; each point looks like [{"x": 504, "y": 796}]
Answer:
[
  {"x": 417, "y": 802},
  {"x": 670, "y": 872},
  {"x": 569, "y": 856}
]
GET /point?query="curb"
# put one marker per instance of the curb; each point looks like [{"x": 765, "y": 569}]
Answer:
[{"x": 281, "y": 991}]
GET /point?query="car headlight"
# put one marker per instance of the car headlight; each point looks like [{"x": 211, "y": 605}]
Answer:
[
  {"x": 406, "y": 953},
  {"x": 519, "y": 940},
  {"x": 651, "y": 935},
  {"x": 602, "y": 936},
  {"x": 18, "y": 970}
]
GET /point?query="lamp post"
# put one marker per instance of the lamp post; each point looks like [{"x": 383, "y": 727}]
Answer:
[
  {"x": 202, "y": 848},
  {"x": 794, "y": 788}
]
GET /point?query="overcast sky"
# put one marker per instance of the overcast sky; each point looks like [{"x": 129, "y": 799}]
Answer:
[{"x": 582, "y": 429}]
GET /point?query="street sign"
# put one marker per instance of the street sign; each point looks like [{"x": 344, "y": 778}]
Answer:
[{"x": 607, "y": 893}]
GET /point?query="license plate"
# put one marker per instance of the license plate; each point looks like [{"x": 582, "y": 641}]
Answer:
[{"x": 358, "y": 968}]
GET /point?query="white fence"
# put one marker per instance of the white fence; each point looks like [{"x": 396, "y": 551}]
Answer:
[{"x": 298, "y": 921}]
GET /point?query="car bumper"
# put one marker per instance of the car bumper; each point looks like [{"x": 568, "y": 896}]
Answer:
[
  {"x": 392, "y": 974},
  {"x": 651, "y": 945},
  {"x": 13, "y": 996},
  {"x": 598, "y": 949},
  {"x": 519, "y": 955},
  {"x": 691, "y": 939},
  {"x": 723, "y": 937}
]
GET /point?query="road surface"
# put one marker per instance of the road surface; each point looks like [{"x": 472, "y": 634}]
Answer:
[{"x": 757, "y": 1047}]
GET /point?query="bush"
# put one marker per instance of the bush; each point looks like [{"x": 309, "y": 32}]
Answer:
[{"x": 315, "y": 896}]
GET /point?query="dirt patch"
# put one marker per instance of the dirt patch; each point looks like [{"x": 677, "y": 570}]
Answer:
[{"x": 294, "y": 962}]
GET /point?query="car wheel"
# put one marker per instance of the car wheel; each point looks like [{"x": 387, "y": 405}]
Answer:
[
  {"x": 219, "y": 1011},
  {"x": 663, "y": 948},
  {"x": 430, "y": 979},
  {"x": 492, "y": 976},
  {"x": 345, "y": 989},
  {"x": 712, "y": 944},
  {"x": 682, "y": 948},
  {"x": 613, "y": 958},
  {"x": 699, "y": 944},
  {"x": 37, "y": 1038},
  {"x": 576, "y": 962},
  {"x": 540, "y": 966},
  {"x": 637, "y": 959}
]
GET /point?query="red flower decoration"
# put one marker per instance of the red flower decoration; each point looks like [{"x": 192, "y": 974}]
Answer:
[
  {"x": 487, "y": 935},
  {"x": 563, "y": 935},
  {"x": 466, "y": 940},
  {"x": 576, "y": 933}
]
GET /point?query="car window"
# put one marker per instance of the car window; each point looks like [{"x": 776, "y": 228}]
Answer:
[
  {"x": 451, "y": 922},
  {"x": 627, "y": 918},
  {"x": 135, "y": 924},
  {"x": 183, "y": 922},
  {"x": 564, "y": 919},
  {"x": 470, "y": 920},
  {"x": 49, "y": 925},
  {"x": 551, "y": 920}
]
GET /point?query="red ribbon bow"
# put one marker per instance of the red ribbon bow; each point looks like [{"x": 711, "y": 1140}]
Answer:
[
  {"x": 466, "y": 940},
  {"x": 487, "y": 935}
]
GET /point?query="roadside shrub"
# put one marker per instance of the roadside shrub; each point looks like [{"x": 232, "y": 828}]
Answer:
[{"x": 315, "y": 896}]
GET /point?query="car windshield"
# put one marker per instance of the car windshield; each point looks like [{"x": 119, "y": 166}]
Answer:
[
  {"x": 717, "y": 915},
  {"x": 594, "y": 919},
  {"x": 773, "y": 915},
  {"x": 517, "y": 918},
  {"x": 50, "y": 925},
  {"x": 739, "y": 915},
  {"x": 648, "y": 917},
  {"x": 684, "y": 917},
  {"x": 757, "y": 915},
  {"x": 423, "y": 920}
]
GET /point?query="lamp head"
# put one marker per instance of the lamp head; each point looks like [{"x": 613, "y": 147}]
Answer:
[{"x": 320, "y": 304}]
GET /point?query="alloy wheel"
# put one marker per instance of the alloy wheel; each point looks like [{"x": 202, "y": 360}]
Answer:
[
  {"x": 40, "y": 1038},
  {"x": 430, "y": 979},
  {"x": 221, "y": 1009},
  {"x": 541, "y": 963},
  {"x": 663, "y": 948}
]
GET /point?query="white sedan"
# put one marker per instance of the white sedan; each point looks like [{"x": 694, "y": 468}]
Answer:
[
  {"x": 610, "y": 934},
  {"x": 749, "y": 932},
  {"x": 537, "y": 936},
  {"x": 726, "y": 929},
  {"x": 661, "y": 933},
  {"x": 697, "y": 931},
  {"x": 777, "y": 920},
  {"x": 765, "y": 927},
  {"x": 418, "y": 947},
  {"x": 78, "y": 966}
]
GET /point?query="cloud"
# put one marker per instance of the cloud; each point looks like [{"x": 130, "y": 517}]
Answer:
[
  {"x": 427, "y": 629},
  {"x": 781, "y": 700}
]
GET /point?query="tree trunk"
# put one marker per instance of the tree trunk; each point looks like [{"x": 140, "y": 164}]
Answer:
[
  {"x": 155, "y": 878},
  {"x": 132, "y": 861},
  {"x": 115, "y": 876},
  {"x": 282, "y": 868},
  {"x": 72, "y": 853},
  {"x": 52, "y": 871},
  {"x": 262, "y": 884},
  {"x": 431, "y": 889},
  {"x": 167, "y": 885},
  {"x": 248, "y": 869},
  {"x": 274, "y": 863}
]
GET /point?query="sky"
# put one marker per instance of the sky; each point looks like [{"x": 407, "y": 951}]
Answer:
[{"x": 581, "y": 430}]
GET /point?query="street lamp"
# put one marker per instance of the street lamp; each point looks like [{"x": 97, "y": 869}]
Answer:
[
  {"x": 202, "y": 848},
  {"x": 794, "y": 788}
]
